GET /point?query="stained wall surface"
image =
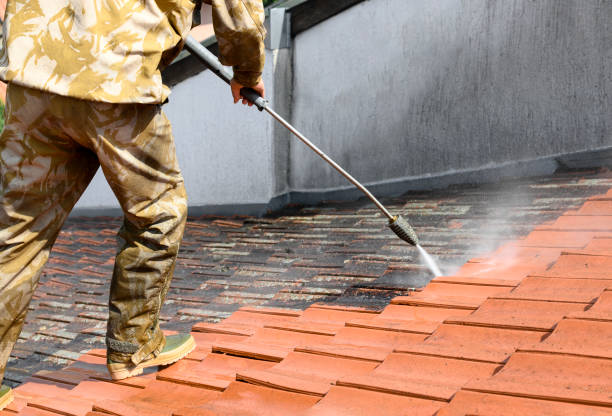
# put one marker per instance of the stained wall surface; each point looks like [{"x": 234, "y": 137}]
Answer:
[{"x": 404, "y": 88}]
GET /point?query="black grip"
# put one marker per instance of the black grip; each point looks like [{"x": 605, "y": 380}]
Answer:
[{"x": 251, "y": 95}]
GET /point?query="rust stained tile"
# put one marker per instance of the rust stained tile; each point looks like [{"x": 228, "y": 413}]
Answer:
[
  {"x": 434, "y": 378},
  {"x": 559, "y": 289},
  {"x": 578, "y": 337},
  {"x": 600, "y": 311},
  {"x": 552, "y": 377},
  {"x": 306, "y": 373},
  {"x": 242, "y": 399},
  {"x": 347, "y": 401},
  {"x": 473, "y": 403},
  {"x": 476, "y": 343}
]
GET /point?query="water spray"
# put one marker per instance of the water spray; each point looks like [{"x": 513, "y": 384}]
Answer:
[{"x": 397, "y": 223}]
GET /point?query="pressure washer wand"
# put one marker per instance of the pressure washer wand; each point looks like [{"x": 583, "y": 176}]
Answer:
[{"x": 398, "y": 224}]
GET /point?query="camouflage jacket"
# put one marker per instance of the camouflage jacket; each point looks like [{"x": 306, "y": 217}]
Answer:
[{"x": 113, "y": 50}]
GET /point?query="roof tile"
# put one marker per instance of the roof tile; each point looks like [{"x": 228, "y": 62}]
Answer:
[{"x": 552, "y": 377}]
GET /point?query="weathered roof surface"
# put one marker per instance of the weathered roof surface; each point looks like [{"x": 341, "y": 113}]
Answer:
[{"x": 330, "y": 323}]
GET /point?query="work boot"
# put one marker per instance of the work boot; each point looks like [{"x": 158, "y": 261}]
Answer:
[
  {"x": 177, "y": 346},
  {"x": 6, "y": 396}
]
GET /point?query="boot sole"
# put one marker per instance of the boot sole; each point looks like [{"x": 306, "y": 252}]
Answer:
[
  {"x": 121, "y": 371},
  {"x": 6, "y": 399}
]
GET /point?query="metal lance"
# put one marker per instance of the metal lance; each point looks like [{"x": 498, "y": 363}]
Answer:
[{"x": 397, "y": 223}]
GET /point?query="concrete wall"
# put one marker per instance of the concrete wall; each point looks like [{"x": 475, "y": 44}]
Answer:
[
  {"x": 404, "y": 88},
  {"x": 402, "y": 92}
]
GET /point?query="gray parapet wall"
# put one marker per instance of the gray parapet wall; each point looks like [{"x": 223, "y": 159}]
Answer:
[{"x": 404, "y": 94}]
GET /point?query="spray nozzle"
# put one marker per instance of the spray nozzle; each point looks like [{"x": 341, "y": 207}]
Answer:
[{"x": 403, "y": 230}]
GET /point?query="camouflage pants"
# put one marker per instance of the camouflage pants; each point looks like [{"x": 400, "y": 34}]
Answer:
[{"x": 50, "y": 149}]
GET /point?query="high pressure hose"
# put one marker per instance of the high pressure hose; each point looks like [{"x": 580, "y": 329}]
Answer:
[{"x": 397, "y": 223}]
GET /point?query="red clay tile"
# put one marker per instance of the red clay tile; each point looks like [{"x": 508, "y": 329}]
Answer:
[
  {"x": 317, "y": 328},
  {"x": 581, "y": 267},
  {"x": 33, "y": 411},
  {"x": 269, "y": 344},
  {"x": 272, "y": 311},
  {"x": 481, "y": 404},
  {"x": 595, "y": 208},
  {"x": 512, "y": 272},
  {"x": 333, "y": 316},
  {"x": 460, "y": 296},
  {"x": 583, "y": 223},
  {"x": 158, "y": 398},
  {"x": 256, "y": 319},
  {"x": 552, "y": 377},
  {"x": 417, "y": 327},
  {"x": 225, "y": 328},
  {"x": 346, "y": 401},
  {"x": 354, "y": 352},
  {"x": 600, "y": 311},
  {"x": 215, "y": 372},
  {"x": 473, "y": 343},
  {"x": 561, "y": 239},
  {"x": 434, "y": 378},
  {"x": 242, "y": 399},
  {"x": 519, "y": 314},
  {"x": 420, "y": 313},
  {"x": 63, "y": 376},
  {"x": 52, "y": 396},
  {"x": 471, "y": 280},
  {"x": 559, "y": 289},
  {"x": 306, "y": 373},
  {"x": 578, "y": 337}
]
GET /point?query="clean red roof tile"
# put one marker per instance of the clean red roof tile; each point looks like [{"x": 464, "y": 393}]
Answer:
[
  {"x": 581, "y": 267},
  {"x": 418, "y": 327},
  {"x": 600, "y": 311},
  {"x": 158, "y": 398},
  {"x": 435, "y": 378},
  {"x": 509, "y": 271},
  {"x": 215, "y": 372},
  {"x": 317, "y": 328},
  {"x": 552, "y": 377},
  {"x": 356, "y": 352},
  {"x": 346, "y": 401},
  {"x": 561, "y": 239},
  {"x": 225, "y": 328},
  {"x": 306, "y": 373},
  {"x": 579, "y": 337},
  {"x": 419, "y": 313},
  {"x": 333, "y": 316},
  {"x": 475, "y": 280},
  {"x": 519, "y": 314},
  {"x": 559, "y": 289},
  {"x": 473, "y": 403},
  {"x": 473, "y": 342},
  {"x": 256, "y": 319},
  {"x": 460, "y": 296},
  {"x": 595, "y": 208},
  {"x": 270, "y": 344},
  {"x": 52, "y": 396},
  {"x": 583, "y": 223},
  {"x": 242, "y": 399}
]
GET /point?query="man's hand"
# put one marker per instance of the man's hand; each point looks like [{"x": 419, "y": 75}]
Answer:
[{"x": 236, "y": 87}]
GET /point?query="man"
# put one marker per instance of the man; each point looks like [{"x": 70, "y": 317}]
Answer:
[{"x": 85, "y": 91}]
